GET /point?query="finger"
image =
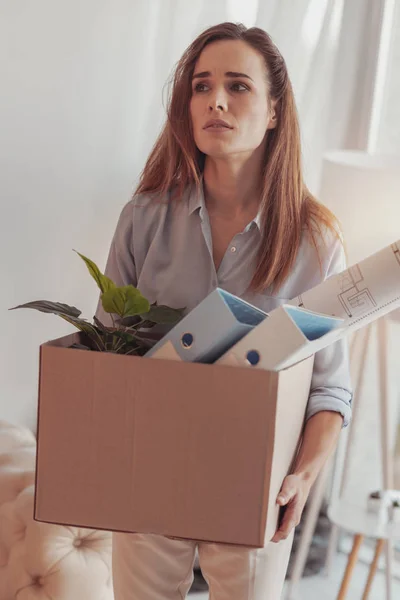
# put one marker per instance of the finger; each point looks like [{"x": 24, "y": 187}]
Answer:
[
  {"x": 289, "y": 517},
  {"x": 284, "y": 531},
  {"x": 290, "y": 521},
  {"x": 285, "y": 496}
]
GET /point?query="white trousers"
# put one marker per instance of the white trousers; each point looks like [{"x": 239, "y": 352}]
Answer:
[{"x": 153, "y": 567}]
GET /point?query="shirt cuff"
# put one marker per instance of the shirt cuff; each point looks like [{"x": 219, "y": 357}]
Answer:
[{"x": 326, "y": 401}]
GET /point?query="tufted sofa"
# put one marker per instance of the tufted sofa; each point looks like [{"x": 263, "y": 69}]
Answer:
[{"x": 38, "y": 560}]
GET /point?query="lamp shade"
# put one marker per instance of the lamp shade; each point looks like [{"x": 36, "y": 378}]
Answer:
[{"x": 363, "y": 191}]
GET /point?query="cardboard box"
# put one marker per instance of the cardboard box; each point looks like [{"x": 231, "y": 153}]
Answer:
[{"x": 182, "y": 449}]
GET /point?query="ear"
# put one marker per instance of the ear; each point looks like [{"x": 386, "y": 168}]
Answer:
[{"x": 273, "y": 120}]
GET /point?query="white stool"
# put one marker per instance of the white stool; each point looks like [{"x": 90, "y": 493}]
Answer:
[{"x": 356, "y": 519}]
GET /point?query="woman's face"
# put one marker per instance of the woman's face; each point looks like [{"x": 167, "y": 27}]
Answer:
[{"x": 229, "y": 83}]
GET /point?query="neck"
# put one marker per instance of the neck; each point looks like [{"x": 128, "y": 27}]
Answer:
[{"x": 232, "y": 188}]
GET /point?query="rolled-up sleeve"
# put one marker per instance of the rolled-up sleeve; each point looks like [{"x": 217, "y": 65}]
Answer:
[
  {"x": 331, "y": 387},
  {"x": 120, "y": 267}
]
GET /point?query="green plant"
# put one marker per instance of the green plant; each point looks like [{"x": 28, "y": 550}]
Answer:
[{"x": 130, "y": 313}]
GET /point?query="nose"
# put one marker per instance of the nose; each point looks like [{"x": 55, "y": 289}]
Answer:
[{"x": 218, "y": 101}]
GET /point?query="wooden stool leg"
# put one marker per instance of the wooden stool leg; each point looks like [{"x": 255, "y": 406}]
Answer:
[
  {"x": 380, "y": 544},
  {"x": 351, "y": 563}
]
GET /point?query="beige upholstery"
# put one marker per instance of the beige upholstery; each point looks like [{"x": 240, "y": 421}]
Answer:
[{"x": 39, "y": 560}]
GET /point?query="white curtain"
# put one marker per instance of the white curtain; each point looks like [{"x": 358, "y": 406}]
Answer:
[{"x": 81, "y": 104}]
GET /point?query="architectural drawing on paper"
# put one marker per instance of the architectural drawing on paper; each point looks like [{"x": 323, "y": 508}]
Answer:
[
  {"x": 361, "y": 289},
  {"x": 396, "y": 250},
  {"x": 354, "y": 296}
]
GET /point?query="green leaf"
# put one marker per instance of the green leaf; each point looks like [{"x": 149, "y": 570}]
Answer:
[
  {"x": 136, "y": 304},
  {"x": 80, "y": 324},
  {"x": 104, "y": 283},
  {"x": 128, "y": 338},
  {"x": 130, "y": 321},
  {"x": 56, "y": 308},
  {"x": 144, "y": 324},
  {"x": 124, "y": 301},
  {"x": 90, "y": 330},
  {"x": 163, "y": 315},
  {"x": 147, "y": 342},
  {"x": 113, "y": 301},
  {"x": 100, "y": 326}
]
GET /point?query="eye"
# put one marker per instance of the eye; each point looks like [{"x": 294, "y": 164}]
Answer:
[
  {"x": 200, "y": 87},
  {"x": 237, "y": 85}
]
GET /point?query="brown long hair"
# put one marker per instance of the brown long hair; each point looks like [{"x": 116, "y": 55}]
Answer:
[{"x": 287, "y": 206}]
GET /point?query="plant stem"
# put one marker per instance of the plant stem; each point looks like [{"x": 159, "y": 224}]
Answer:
[
  {"x": 119, "y": 345},
  {"x": 102, "y": 346},
  {"x": 136, "y": 326},
  {"x": 99, "y": 348},
  {"x": 133, "y": 350}
]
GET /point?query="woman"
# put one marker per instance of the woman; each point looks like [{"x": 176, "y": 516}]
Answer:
[{"x": 221, "y": 201}]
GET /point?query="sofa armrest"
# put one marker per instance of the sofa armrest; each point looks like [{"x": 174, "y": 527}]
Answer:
[{"x": 57, "y": 561}]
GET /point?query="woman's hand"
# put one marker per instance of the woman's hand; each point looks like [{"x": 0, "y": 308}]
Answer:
[
  {"x": 319, "y": 440},
  {"x": 293, "y": 495}
]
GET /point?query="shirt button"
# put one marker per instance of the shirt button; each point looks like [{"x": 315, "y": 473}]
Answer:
[{"x": 233, "y": 249}]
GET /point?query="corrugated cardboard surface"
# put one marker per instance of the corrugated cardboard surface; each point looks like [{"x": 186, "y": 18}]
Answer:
[{"x": 157, "y": 446}]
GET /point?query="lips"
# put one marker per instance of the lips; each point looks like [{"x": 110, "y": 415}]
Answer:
[{"x": 217, "y": 124}]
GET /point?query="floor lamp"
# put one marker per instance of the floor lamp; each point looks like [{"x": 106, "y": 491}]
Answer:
[{"x": 363, "y": 191}]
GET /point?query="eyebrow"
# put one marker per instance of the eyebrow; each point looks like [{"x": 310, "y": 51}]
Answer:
[{"x": 227, "y": 74}]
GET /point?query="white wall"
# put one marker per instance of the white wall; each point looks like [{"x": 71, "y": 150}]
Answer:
[
  {"x": 73, "y": 86},
  {"x": 388, "y": 139},
  {"x": 81, "y": 104}
]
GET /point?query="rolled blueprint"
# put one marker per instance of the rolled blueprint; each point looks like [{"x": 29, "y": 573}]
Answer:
[{"x": 294, "y": 331}]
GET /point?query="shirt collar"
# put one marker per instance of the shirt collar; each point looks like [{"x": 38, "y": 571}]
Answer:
[
  {"x": 196, "y": 197},
  {"x": 197, "y": 201},
  {"x": 257, "y": 220}
]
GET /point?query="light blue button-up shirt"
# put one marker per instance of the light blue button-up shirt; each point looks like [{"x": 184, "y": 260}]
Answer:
[{"x": 165, "y": 249}]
